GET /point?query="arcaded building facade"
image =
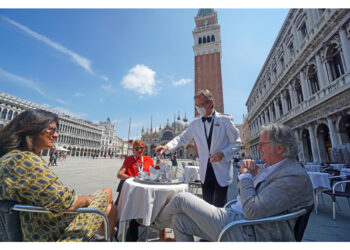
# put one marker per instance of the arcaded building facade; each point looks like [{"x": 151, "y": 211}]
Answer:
[
  {"x": 80, "y": 137},
  {"x": 305, "y": 84}
]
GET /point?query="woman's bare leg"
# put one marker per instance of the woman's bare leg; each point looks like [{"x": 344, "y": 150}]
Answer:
[{"x": 111, "y": 213}]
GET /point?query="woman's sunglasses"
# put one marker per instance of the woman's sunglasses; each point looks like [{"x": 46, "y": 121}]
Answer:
[{"x": 138, "y": 148}]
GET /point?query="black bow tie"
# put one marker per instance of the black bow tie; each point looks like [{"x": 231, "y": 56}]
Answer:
[{"x": 208, "y": 119}]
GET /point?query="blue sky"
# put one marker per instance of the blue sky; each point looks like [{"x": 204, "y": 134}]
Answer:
[{"x": 117, "y": 63}]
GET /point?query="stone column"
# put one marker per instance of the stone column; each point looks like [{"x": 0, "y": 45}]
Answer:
[
  {"x": 315, "y": 155},
  {"x": 300, "y": 146},
  {"x": 303, "y": 84},
  {"x": 292, "y": 95},
  {"x": 346, "y": 49},
  {"x": 270, "y": 111},
  {"x": 266, "y": 117},
  {"x": 332, "y": 132},
  {"x": 308, "y": 21},
  {"x": 277, "y": 111},
  {"x": 283, "y": 101},
  {"x": 322, "y": 77}
]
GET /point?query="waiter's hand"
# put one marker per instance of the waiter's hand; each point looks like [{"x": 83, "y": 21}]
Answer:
[
  {"x": 249, "y": 166},
  {"x": 217, "y": 157},
  {"x": 161, "y": 149}
]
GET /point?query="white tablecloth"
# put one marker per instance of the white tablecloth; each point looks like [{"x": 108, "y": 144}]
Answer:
[
  {"x": 345, "y": 172},
  {"x": 320, "y": 180},
  {"x": 313, "y": 168},
  {"x": 144, "y": 201},
  {"x": 191, "y": 172},
  {"x": 338, "y": 166}
]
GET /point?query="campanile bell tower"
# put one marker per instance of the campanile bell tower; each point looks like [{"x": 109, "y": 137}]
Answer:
[{"x": 207, "y": 55}]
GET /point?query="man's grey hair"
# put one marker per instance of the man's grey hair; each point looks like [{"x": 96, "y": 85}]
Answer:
[
  {"x": 282, "y": 135},
  {"x": 206, "y": 93}
]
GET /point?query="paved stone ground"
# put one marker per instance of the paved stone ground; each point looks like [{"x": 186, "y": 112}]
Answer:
[{"x": 86, "y": 176}]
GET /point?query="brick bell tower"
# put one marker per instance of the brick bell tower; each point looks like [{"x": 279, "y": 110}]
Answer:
[{"x": 207, "y": 56}]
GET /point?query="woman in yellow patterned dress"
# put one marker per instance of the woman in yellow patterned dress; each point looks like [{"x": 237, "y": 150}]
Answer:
[{"x": 26, "y": 179}]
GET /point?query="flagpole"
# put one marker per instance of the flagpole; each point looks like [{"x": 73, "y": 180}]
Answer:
[
  {"x": 174, "y": 127},
  {"x": 150, "y": 140},
  {"x": 127, "y": 151}
]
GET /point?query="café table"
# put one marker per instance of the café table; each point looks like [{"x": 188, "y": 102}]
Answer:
[
  {"x": 323, "y": 181},
  {"x": 313, "y": 167},
  {"x": 320, "y": 182},
  {"x": 345, "y": 172},
  {"x": 191, "y": 172},
  {"x": 338, "y": 166},
  {"x": 144, "y": 201}
]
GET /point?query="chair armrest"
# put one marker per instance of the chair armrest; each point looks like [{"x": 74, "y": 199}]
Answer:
[
  {"x": 338, "y": 183},
  {"x": 230, "y": 203},
  {"x": 261, "y": 221},
  {"x": 35, "y": 209}
]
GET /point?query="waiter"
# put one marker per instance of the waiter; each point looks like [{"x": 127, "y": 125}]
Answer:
[{"x": 217, "y": 141}]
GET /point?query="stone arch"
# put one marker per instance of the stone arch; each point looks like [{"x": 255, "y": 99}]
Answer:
[
  {"x": 323, "y": 142},
  {"x": 9, "y": 115},
  {"x": 344, "y": 129},
  {"x": 312, "y": 78},
  {"x": 4, "y": 114},
  {"x": 306, "y": 145},
  {"x": 335, "y": 61},
  {"x": 190, "y": 151}
]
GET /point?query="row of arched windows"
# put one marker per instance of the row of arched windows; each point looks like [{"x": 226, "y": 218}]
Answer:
[
  {"x": 75, "y": 130},
  {"x": 334, "y": 69},
  {"x": 7, "y": 114},
  {"x": 77, "y": 141},
  {"x": 207, "y": 39}
]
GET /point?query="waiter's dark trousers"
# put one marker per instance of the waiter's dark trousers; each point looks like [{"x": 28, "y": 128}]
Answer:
[{"x": 213, "y": 193}]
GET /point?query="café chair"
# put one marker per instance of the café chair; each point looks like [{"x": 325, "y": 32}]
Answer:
[
  {"x": 10, "y": 224},
  {"x": 301, "y": 216},
  {"x": 343, "y": 193}
]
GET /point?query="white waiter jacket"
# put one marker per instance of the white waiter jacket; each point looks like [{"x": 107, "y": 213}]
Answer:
[{"x": 225, "y": 138}]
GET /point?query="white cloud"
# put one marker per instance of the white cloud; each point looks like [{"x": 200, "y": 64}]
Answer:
[
  {"x": 68, "y": 112},
  {"x": 61, "y": 101},
  {"x": 80, "y": 60},
  {"x": 105, "y": 78},
  {"x": 182, "y": 82},
  {"x": 28, "y": 84},
  {"x": 136, "y": 124},
  {"x": 107, "y": 87},
  {"x": 79, "y": 94},
  {"x": 45, "y": 105},
  {"x": 140, "y": 79},
  {"x": 22, "y": 81}
]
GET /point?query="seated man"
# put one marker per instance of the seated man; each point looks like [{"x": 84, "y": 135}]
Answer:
[{"x": 281, "y": 186}]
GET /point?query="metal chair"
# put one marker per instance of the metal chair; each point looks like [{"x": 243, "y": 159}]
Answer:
[
  {"x": 344, "y": 193},
  {"x": 10, "y": 224},
  {"x": 302, "y": 217}
]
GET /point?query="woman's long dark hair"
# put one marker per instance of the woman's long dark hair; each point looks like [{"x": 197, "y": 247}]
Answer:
[{"x": 19, "y": 133}]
